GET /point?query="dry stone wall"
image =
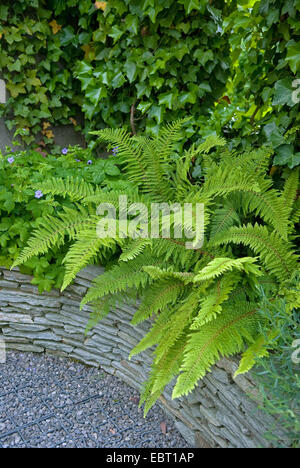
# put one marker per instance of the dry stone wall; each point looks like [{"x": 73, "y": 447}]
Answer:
[{"x": 218, "y": 413}]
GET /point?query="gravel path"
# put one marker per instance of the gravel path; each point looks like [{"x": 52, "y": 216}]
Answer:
[{"x": 47, "y": 401}]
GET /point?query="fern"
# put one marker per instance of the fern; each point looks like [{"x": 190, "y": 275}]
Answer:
[
  {"x": 212, "y": 304},
  {"x": 157, "y": 297},
  {"x": 133, "y": 248},
  {"x": 201, "y": 302},
  {"x": 219, "y": 266},
  {"x": 120, "y": 278},
  {"x": 276, "y": 255},
  {"x": 75, "y": 188},
  {"x": 52, "y": 232},
  {"x": 222, "y": 337},
  {"x": 256, "y": 350}
]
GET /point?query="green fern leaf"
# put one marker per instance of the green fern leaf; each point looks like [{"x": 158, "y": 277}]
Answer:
[{"x": 222, "y": 337}]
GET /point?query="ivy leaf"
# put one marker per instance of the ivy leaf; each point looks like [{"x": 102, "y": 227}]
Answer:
[
  {"x": 130, "y": 68},
  {"x": 143, "y": 106},
  {"x": 118, "y": 80},
  {"x": 166, "y": 99},
  {"x": 83, "y": 69},
  {"x": 95, "y": 94},
  {"x": 156, "y": 113},
  {"x": 3, "y": 12},
  {"x": 16, "y": 88},
  {"x": 190, "y": 5},
  {"x": 273, "y": 134},
  {"x": 67, "y": 36},
  {"x": 285, "y": 155},
  {"x": 116, "y": 33},
  {"x": 283, "y": 93},
  {"x": 293, "y": 55},
  {"x": 101, "y": 5},
  {"x": 55, "y": 26}
]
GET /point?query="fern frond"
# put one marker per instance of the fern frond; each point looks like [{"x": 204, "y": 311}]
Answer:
[
  {"x": 289, "y": 192},
  {"x": 157, "y": 297},
  {"x": 129, "y": 153},
  {"x": 168, "y": 366},
  {"x": 276, "y": 254},
  {"x": 258, "y": 349},
  {"x": 212, "y": 304},
  {"x": 210, "y": 142},
  {"x": 121, "y": 277},
  {"x": 83, "y": 251},
  {"x": 75, "y": 188},
  {"x": 223, "y": 180},
  {"x": 100, "y": 311},
  {"x": 223, "y": 218},
  {"x": 157, "y": 273},
  {"x": 269, "y": 206},
  {"x": 222, "y": 337},
  {"x": 168, "y": 136},
  {"x": 156, "y": 182},
  {"x": 52, "y": 232},
  {"x": 180, "y": 320},
  {"x": 155, "y": 334},
  {"x": 134, "y": 248},
  {"x": 220, "y": 265}
]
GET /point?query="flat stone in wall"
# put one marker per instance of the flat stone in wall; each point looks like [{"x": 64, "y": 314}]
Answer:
[{"x": 218, "y": 413}]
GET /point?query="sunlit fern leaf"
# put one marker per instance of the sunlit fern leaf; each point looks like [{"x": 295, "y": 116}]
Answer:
[
  {"x": 75, "y": 188},
  {"x": 156, "y": 332},
  {"x": 277, "y": 255},
  {"x": 83, "y": 251},
  {"x": 219, "y": 266},
  {"x": 133, "y": 248},
  {"x": 156, "y": 182},
  {"x": 169, "y": 135},
  {"x": 223, "y": 337},
  {"x": 212, "y": 303},
  {"x": 121, "y": 277},
  {"x": 223, "y": 218},
  {"x": 158, "y": 296},
  {"x": 52, "y": 231},
  {"x": 223, "y": 180},
  {"x": 181, "y": 319},
  {"x": 159, "y": 273},
  {"x": 210, "y": 142},
  {"x": 269, "y": 206},
  {"x": 258, "y": 349},
  {"x": 289, "y": 193}
]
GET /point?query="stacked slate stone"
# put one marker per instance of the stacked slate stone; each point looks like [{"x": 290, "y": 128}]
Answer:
[{"x": 218, "y": 413}]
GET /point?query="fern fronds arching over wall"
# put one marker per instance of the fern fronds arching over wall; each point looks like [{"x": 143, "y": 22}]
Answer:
[{"x": 202, "y": 302}]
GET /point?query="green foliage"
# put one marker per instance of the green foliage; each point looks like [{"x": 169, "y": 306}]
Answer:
[
  {"x": 265, "y": 86},
  {"x": 277, "y": 374},
  {"x": 22, "y": 173},
  {"x": 234, "y": 66},
  {"x": 165, "y": 58},
  {"x": 203, "y": 301}
]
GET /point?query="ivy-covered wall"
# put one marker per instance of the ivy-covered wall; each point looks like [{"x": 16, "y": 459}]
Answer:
[{"x": 232, "y": 65}]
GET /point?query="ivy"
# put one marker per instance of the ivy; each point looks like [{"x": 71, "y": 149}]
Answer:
[{"x": 234, "y": 66}]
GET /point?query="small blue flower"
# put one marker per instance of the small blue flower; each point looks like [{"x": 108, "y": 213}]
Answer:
[
  {"x": 38, "y": 194},
  {"x": 78, "y": 160},
  {"x": 115, "y": 150},
  {"x": 90, "y": 162},
  {"x": 11, "y": 160},
  {"x": 64, "y": 151}
]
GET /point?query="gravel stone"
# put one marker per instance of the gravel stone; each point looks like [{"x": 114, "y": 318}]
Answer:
[{"x": 50, "y": 402}]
